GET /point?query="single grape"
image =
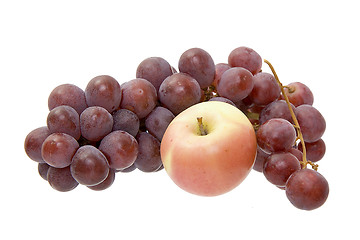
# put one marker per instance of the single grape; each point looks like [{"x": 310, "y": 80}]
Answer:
[
  {"x": 178, "y": 92},
  {"x": 155, "y": 70},
  {"x": 275, "y": 135},
  {"x": 148, "y": 159},
  {"x": 276, "y": 109},
  {"x": 64, "y": 119},
  {"x": 297, "y": 153},
  {"x": 235, "y": 84},
  {"x": 247, "y": 58},
  {"x": 260, "y": 159},
  {"x": 299, "y": 94},
  {"x": 307, "y": 189},
  {"x": 315, "y": 151},
  {"x": 120, "y": 148},
  {"x": 61, "y": 179},
  {"x": 220, "y": 68},
  {"x": 127, "y": 121},
  {"x": 95, "y": 123},
  {"x": 222, "y": 99},
  {"x": 265, "y": 90},
  {"x": 198, "y": 64},
  {"x": 158, "y": 120},
  {"x": 43, "y": 170},
  {"x": 109, "y": 180},
  {"x": 312, "y": 123},
  {"x": 89, "y": 166},
  {"x": 103, "y": 91},
  {"x": 279, "y": 166},
  {"x": 58, "y": 149},
  {"x": 34, "y": 141},
  {"x": 68, "y": 94},
  {"x": 139, "y": 96}
]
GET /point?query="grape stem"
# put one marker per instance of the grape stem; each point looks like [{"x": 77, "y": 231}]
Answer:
[{"x": 304, "y": 161}]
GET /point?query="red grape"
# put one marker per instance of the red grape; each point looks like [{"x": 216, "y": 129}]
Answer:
[
  {"x": 220, "y": 68},
  {"x": 315, "y": 151},
  {"x": 158, "y": 120},
  {"x": 120, "y": 148},
  {"x": 265, "y": 90},
  {"x": 68, "y": 94},
  {"x": 235, "y": 84},
  {"x": 178, "y": 92},
  {"x": 275, "y": 135},
  {"x": 279, "y": 166},
  {"x": 64, "y": 119},
  {"x": 312, "y": 123},
  {"x": 299, "y": 94},
  {"x": 34, "y": 141},
  {"x": 58, "y": 149},
  {"x": 103, "y": 91},
  {"x": 43, "y": 170},
  {"x": 61, "y": 179},
  {"x": 148, "y": 159},
  {"x": 95, "y": 123},
  {"x": 247, "y": 58},
  {"x": 198, "y": 63},
  {"x": 260, "y": 159},
  {"x": 139, "y": 96},
  {"x": 307, "y": 189},
  {"x": 89, "y": 166},
  {"x": 155, "y": 70},
  {"x": 127, "y": 121},
  {"x": 222, "y": 99},
  {"x": 276, "y": 109}
]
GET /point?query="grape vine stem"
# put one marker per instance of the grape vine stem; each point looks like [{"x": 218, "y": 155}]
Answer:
[{"x": 304, "y": 161}]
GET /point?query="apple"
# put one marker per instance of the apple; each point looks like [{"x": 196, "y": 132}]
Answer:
[{"x": 209, "y": 148}]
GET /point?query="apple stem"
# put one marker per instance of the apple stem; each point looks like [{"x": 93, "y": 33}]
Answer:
[
  {"x": 304, "y": 161},
  {"x": 203, "y": 132}
]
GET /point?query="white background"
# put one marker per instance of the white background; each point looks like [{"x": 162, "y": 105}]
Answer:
[{"x": 47, "y": 43}]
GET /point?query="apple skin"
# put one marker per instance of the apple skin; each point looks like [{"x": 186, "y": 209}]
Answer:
[{"x": 211, "y": 164}]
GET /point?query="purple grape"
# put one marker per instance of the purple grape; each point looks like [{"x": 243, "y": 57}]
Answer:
[
  {"x": 89, "y": 166},
  {"x": 235, "y": 84},
  {"x": 265, "y": 90},
  {"x": 299, "y": 94},
  {"x": 247, "y": 58},
  {"x": 198, "y": 64},
  {"x": 312, "y": 123},
  {"x": 58, "y": 149},
  {"x": 61, "y": 179},
  {"x": 120, "y": 148},
  {"x": 158, "y": 120},
  {"x": 139, "y": 96},
  {"x": 307, "y": 189},
  {"x": 43, "y": 170},
  {"x": 276, "y": 109},
  {"x": 279, "y": 166},
  {"x": 275, "y": 135},
  {"x": 178, "y": 92},
  {"x": 127, "y": 121},
  {"x": 34, "y": 141},
  {"x": 148, "y": 159},
  {"x": 222, "y": 99},
  {"x": 315, "y": 151},
  {"x": 220, "y": 68},
  {"x": 260, "y": 159},
  {"x": 64, "y": 119},
  {"x": 95, "y": 123},
  {"x": 155, "y": 70},
  {"x": 68, "y": 94},
  {"x": 103, "y": 91}
]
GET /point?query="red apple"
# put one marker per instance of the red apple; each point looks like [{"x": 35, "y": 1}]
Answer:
[{"x": 209, "y": 148}]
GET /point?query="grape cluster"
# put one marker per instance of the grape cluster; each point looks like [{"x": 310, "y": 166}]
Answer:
[{"x": 107, "y": 128}]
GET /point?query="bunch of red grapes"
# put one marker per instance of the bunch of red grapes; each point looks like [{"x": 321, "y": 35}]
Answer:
[{"x": 107, "y": 128}]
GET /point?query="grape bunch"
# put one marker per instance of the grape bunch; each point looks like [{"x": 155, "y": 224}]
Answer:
[{"x": 93, "y": 134}]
